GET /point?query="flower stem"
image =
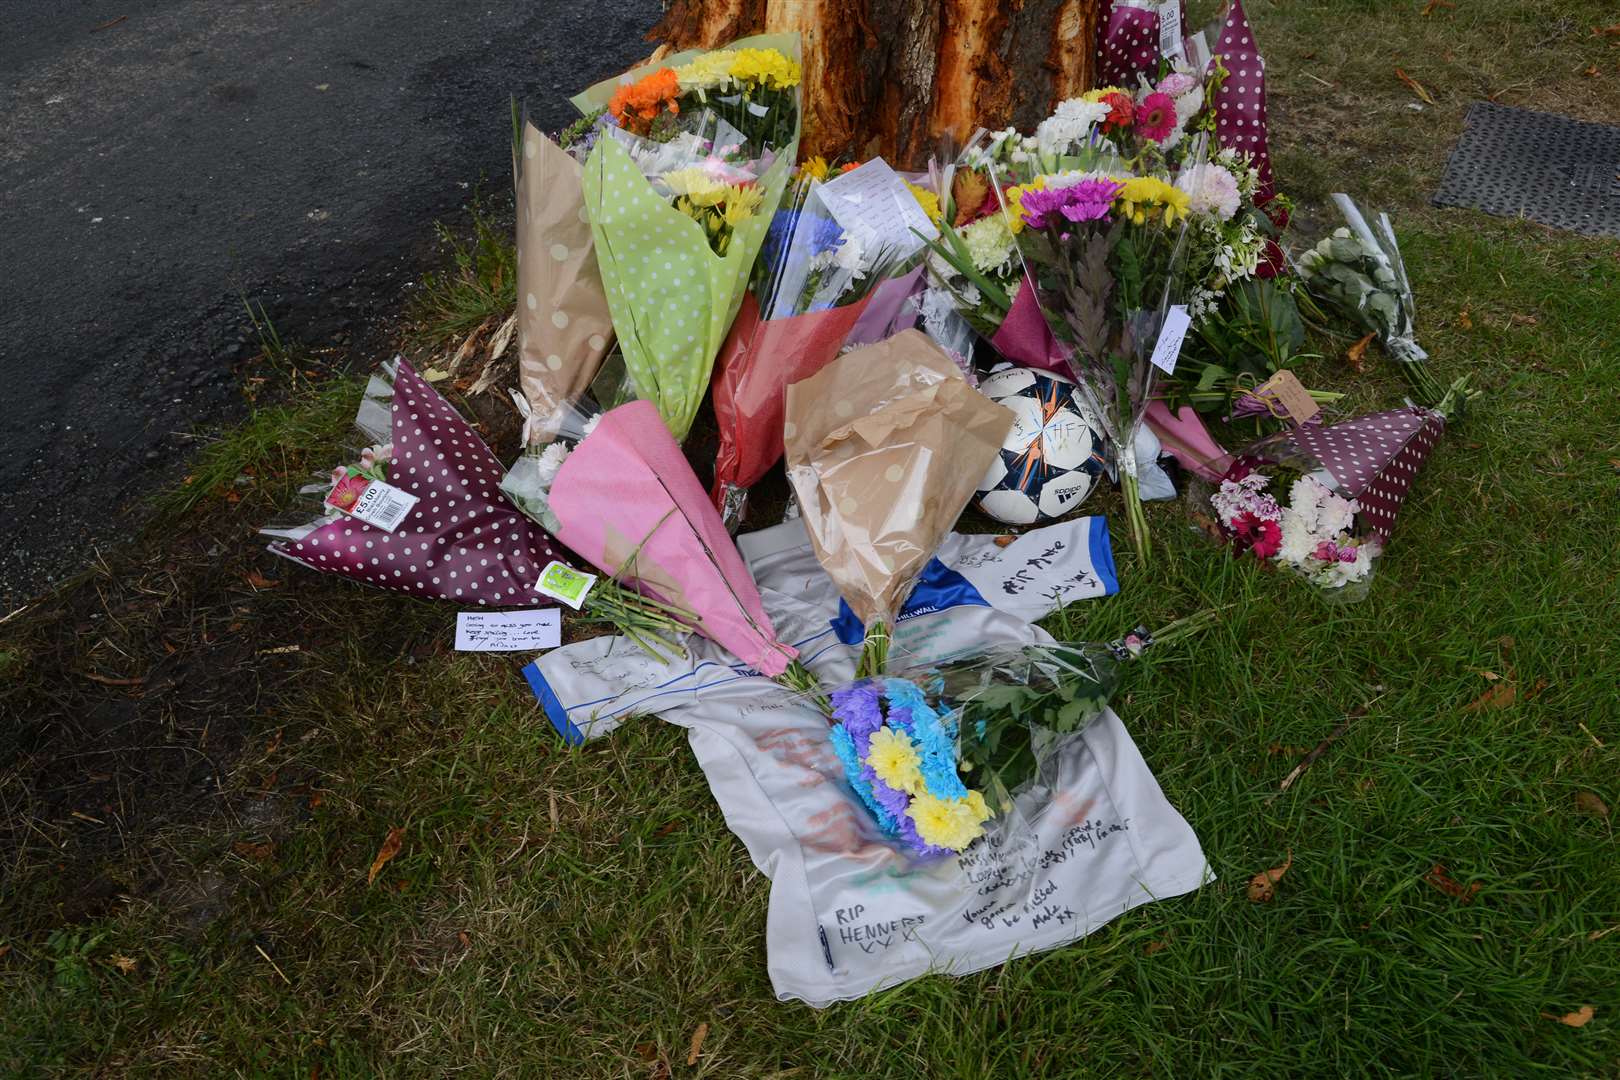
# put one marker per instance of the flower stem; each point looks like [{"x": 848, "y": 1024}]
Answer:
[{"x": 874, "y": 652}]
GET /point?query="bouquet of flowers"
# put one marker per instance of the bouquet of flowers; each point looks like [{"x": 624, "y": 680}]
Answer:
[
  {"x": 942, "y": 754},
  {"x": 1359, "y": 273},
  {"x": 1109, "y": 255},
  {"x": 885, "y": 446},
  {"x": 563, "y": 324},
  {"x": 420, "y": 514},
  {"x": 674, "y": 288},
  {"x": 1322, "y": 500},
  {"x": 811, "y": 286},
  {"x": 626, "y": 500}
]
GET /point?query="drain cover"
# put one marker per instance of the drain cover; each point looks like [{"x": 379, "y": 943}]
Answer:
[{"x": 1542, "y": 166}]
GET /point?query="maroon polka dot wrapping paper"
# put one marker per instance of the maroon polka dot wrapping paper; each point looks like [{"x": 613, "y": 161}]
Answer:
[
  {"x": 1373, "y": 458},
  {"x": 1129, "y": 43},
  {"x": 462, "y": 541}
]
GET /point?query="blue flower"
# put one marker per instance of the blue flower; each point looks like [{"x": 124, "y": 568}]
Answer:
[{"x": 844, "y": 746}]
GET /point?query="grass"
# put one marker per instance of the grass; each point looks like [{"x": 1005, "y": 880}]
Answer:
[
  {"x": 480, "y": 284},
  {"x": 559, "y": 912}
]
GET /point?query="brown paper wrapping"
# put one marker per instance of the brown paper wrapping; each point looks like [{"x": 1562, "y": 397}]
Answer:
[
  {"x": 564, "y": 328},
  {"x": 885, "y": 446}
]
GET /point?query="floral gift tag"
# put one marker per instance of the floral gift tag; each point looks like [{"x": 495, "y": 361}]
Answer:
[
  {"x": 371, "y": 501},
  {"x": 562, "y": 582}
]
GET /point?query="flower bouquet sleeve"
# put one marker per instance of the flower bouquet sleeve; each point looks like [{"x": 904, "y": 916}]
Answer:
[
  {"x": 885, "y": 446},
  {"x": 627, "y": 501},
  {"x": 1321, "y": 500},
  {"x": 1359, "y": 273},
  {"x": 563, "y": 324},
  {"x": 1129, "y": 44},
  {"x": 421, "y": 513}
]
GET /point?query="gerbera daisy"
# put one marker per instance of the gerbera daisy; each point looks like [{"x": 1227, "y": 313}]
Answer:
[{"x": 1156, "y": 117}]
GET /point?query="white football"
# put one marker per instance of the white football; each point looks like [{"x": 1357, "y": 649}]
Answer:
[{"x": 1050, "y": 459}]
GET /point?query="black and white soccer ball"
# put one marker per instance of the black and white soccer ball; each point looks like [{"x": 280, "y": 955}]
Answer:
[{"x": 1051, "y": 458}]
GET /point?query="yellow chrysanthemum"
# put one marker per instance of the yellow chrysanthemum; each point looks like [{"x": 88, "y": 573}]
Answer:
[
  {"x": 1101, "y": 92},
  {"x": 709, "y": 71},
  {"x": 1145, "y": 197},
  {"x": 696, "y": 184},
  {"x": 764, "y": 67},
  {"x": 948, "y": 823},
  {"x": 816, "y": 168},
  {"x": 742, "y": 202},
  {"x": 925, "y": 199},
  {"x": 1015, "y": 208},
  {"x": 895, "y": 760}
]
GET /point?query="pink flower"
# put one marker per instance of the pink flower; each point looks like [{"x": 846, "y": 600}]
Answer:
[
  {"x": 1156, "y": 117},
  {"x": 1328, "y": 551},
  {"x": 1177, "y": 83},
  {"x": 1257, "y": 534}
]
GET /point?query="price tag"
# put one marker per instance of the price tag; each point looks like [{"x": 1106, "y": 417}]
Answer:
[
  {"x": 562, "y": 582},
  {"x": 1168, "y": 349},
  {"x": 508, "y": 631},
  {"x": 1170, "y": 30},
  {"x": 371, "y": 501}
]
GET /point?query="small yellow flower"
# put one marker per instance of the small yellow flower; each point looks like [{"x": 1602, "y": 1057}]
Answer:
[
  {"x": 1015, "y": 208},
  {"x": 765, "y": 67},
  {"x": 895, "y": 760},
  {"x": 710, "y": 71},
  {"x": 1101, "y": 92},
  {"x": 925, "y": 199},
  {"x": 1145, "y": 197},
  {"x": 948, "y": 823},
  {"x": 815, "y": 168},
  {"x": 742, "y": 201}
]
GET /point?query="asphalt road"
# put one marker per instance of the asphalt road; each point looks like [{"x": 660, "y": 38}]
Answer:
[{"x": 162, "y": 160}]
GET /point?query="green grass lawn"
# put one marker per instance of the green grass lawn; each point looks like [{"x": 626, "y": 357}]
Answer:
[{"x": 556, "y": 912}]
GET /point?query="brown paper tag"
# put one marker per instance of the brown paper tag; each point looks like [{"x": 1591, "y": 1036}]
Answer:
[{"x": 1287, "y": 397}]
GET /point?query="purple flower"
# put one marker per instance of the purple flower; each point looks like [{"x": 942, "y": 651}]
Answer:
[
  {"x": 857, "y": 707},
  {"x": 1087, "y": 200},
  {"x": 891, "y": 799}
]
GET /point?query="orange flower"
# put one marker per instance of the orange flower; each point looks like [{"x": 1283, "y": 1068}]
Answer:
[{"x": 634, "y": 106}]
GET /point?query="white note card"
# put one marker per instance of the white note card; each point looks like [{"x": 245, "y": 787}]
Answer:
[
  {"x": 874, "y": 206},
  {"x": 508, "y": 631},
  {"x": 1174, "y": 331}
]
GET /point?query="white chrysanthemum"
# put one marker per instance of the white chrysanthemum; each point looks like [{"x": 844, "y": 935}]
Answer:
[
  {"x": 551, "y": 460},
  {"x": 1071, "y": 122},
  {"x": 1297, "y": 539},
  {"x": 1212, "y": 190}
]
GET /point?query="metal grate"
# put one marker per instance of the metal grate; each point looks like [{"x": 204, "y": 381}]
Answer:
[{"x": 1548, "y": 168}]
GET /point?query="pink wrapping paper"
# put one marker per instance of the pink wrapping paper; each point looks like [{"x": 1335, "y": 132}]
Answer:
[
  {"x": 886, "y": 311},
  {"x": 1184, "y": 435},
  {"x": 1025, "y": 339},
  {"x": 627, "y": 485}
]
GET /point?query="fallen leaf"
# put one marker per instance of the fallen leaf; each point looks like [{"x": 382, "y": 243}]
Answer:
[
  {"x": 275, "y": 743},
  {"x": 1578, "y": 1018},
  {"x": 969, "y": 192},
  {"x": 552, "y": 807},
  {"x": 1523, "y": 320},
  {"x": 1606, "y": 31},
  {"x": 647, "y": 1052},
  {"x": 315, "y": 800},
  {"x": 461, "y": 936},
  {"x": 1263, "y": 886},
  {"x": 434, "y": 374},
  {"x": 1499, "y": 696},
  {"x": 503, "y": 337},
  {"x": 1416, "y": 87},
  {"x": 390, "y": 848},
  {"x": 1004, "y": 539},
  {"x": 1590, "y": 804},
  {"x": 1464, "y": 321},
  {"x": 1442, "y": 880},
  {"x": 258, "y": 580},
  {"x": 1490, "y": 676},
  {"x": 1433, "y": 5},
  {"x": 4, "y": 949},
  {"x": 1210, "y": 527},
  {"x": 256, "y": 852},
  {"x": 1356, "y": 354},
  {"x": 1154, "y": 947},
  {"x": 1591, "y": 71},
  {"x": 696, "y": 1049},
  {"x": 126, "y": 964}
]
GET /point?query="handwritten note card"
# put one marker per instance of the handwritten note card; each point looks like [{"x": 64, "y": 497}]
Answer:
[
  {"x": 508, "y": 631},
  {"x": 874, "y": 205},
  {"x": 1174, "y": 331}
]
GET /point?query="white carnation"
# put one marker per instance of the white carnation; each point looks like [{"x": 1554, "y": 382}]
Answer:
[{"x": 1212, "y": 190}]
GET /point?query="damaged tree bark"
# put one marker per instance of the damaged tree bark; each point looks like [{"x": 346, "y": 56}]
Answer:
[{"x": 896, "y": 77}]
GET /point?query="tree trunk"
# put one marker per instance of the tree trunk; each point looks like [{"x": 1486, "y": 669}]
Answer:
[{"x": 898, "y": 77}]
